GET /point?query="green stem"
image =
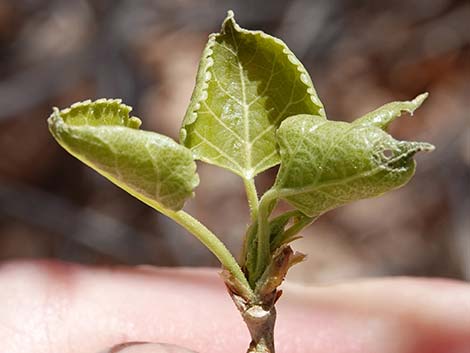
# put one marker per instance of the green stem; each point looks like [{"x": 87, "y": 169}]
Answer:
[
  {"x": 196, "y": 228},
  {"x": 264, "y": 247},
  {"x": 252, "y": 196}
]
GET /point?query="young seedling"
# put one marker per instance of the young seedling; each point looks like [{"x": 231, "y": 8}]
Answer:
[{"x": 253, "y": 107}]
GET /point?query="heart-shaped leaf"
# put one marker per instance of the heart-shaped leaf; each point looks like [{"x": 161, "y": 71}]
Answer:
[
  {"x": 143, "y": 163},
  {"x": 247, "y": 83},
  {"x": 326, "y": 164}
]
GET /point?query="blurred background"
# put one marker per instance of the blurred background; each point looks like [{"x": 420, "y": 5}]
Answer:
[{"x": 360, "y": 54}]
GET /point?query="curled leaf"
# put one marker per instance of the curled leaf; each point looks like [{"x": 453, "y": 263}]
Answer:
[
  {"x": 102, "y": 135},
  {"x": 247, "y": 83},
  {"x": 326, "y": 164}
]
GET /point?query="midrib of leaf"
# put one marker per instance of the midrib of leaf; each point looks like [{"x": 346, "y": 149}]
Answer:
[
  {"x": 246, "y": 122},
  {"x": 247, "y": 143}
]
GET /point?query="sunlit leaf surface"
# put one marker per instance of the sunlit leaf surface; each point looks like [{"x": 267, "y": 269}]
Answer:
[{"x": 248, "y": 82}]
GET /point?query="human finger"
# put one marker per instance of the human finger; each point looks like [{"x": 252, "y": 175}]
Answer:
[{"x": 50, "y": 306}]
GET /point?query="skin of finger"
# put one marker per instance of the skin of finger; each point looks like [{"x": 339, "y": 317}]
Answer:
[
  {"x": 49, "y": 307},
  {"x": 140, "y": 347}
]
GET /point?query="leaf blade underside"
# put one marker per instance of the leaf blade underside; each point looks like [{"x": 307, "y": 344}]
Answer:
[
  {"x": 247, "y": 83},
  {"x": 144, "y": 163},
  {"x": 326, "y": 164}
]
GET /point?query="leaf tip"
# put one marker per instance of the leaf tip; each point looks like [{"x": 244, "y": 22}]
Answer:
[
  {"x": 54, "y": 115},
  {"x": 406, "y": 150},
  {"x": 412, "y": 105},
  {"x": 229, "y": 22},
  {"x": 418, "y": 101},
  {"x": 54, "y": 120}
]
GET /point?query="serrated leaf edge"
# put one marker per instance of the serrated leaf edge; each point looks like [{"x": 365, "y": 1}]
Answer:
[{"x": 122, "y": 110}]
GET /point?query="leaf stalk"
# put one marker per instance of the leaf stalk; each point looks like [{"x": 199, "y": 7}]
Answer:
[
  {"x": 264, "y": 247},
  {"x": 211, "y": 241},
  {"x": 252, "y": 196},
  {"x": 201, "y": 232}
]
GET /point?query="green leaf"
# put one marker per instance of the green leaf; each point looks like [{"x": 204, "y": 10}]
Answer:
[
  {"x": 102, "y": 135},
  {"x": 247, "y": 83},
  {"x": 326, "y": 164}
]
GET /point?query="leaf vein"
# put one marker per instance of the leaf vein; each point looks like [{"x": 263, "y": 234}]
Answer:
[
  {"x": 260, "y": 163},
  {"x": 221, "y": 152},
  {"x": 221, "y": 122},
  {"x": 219, "y": 84}
]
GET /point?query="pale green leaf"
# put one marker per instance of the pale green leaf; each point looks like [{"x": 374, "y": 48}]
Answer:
[
  {"x": 102, "y": 135},
  {"x": 247, "y": 83},
  {"x": 326, "y": 164}
]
